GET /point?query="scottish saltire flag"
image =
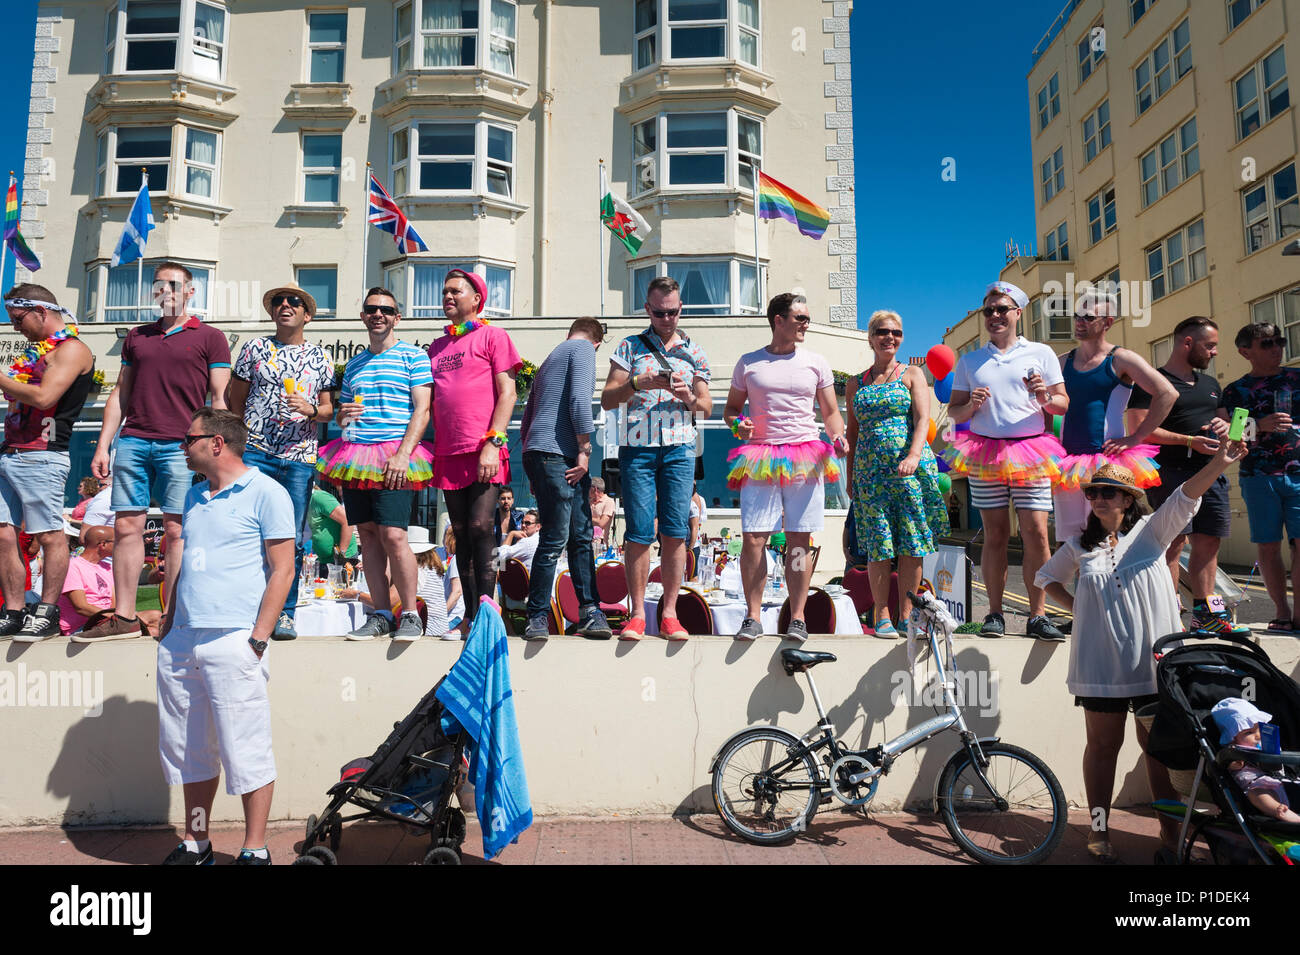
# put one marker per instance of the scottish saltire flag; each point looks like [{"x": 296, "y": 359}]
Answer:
[
  {"x": 385, "y": 215},
  {"x": 130, "y": 246},
  {"x": 12, "y": 237},
  {"x": 778, "y": 201}
]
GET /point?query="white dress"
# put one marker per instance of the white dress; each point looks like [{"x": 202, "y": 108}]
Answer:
[{"x": 1124, "y": 601}]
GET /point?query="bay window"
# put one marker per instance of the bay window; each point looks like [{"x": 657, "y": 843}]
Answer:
[
  {"x": 708, "y": 286},
  {"x": 438, "y": 157},
  {"x": 669, "y": 31},
  {"x": 167, "y": 36},
  {"x": 455, "y": 34},
  {"x": 698, "y": 151},
  {"x": 122, "y": 151}
]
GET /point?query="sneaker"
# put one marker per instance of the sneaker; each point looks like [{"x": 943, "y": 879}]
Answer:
[
  {"x": 284, "y": 629},
  {"x": 246, "y": 857},
  {"x": 1207, "y": 623},
  {"x": 538, "y": 628},
  {"x": 1040, "y": 628},
  {"x": 182, "y": 856},
  {"x": 594, "y": 626},
  {"x": 41, "y": 624},
  {"x": 111, "y": 627},
  {"x": 409, "y": 629},
  {"x": 994, "y": 626},
  {"x": 376, "y": 625},
  {"x": 11, "y": 622},
  {"x": 751, "y": 629},
  {"x": 797, "y": 630}
]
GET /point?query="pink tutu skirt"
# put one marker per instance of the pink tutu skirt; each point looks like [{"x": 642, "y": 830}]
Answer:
[
  {"x": 451, "y": 472},
  {"x": 361, "y": 466},
  {"x": 1077, "y": 469},
  {"x": 1007, "y": 460},
  {"x": 782, "y": 464}
]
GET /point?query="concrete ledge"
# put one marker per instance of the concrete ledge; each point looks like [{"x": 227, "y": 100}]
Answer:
[{"x": 606, "y": 727}]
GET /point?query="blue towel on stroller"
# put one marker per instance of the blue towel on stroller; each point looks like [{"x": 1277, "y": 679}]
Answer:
[{"x": 477, "y": 695}]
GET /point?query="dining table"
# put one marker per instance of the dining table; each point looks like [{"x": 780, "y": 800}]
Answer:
[
  {"x": 328, "y": 618},
  {"x": 729, "y": 612}
]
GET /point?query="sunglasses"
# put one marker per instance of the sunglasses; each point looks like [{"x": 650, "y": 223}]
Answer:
[
  {"x": 530, "y": 523},
  {"x": 1087, "y": 318},
  {"x": 895, "y": 332},
  {"x": 1105, "y": 493},
  {"x": 664, "y": 312},
  {"x": 161, "y": 284},
  {"x": 189, "y": 439},
  {"x": 379, "y": 309},
  {"x": 295, "y": 301},
  {"x": 998, "y": 310},
  {"x": 1270, "y": 342}
]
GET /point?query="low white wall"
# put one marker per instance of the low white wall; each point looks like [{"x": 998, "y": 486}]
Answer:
[{"x": 605, "y": 727}]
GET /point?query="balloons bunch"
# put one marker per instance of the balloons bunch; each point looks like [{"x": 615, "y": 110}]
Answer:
[{"x": 941, "y": 360}]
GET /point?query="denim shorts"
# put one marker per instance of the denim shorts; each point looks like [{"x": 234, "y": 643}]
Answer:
[
  {"x": 657, "y": 482},
  {"x": 1272, "y": 503},
  {"x": 145, "y": 467},
  {"x": 31, "y": 489}
]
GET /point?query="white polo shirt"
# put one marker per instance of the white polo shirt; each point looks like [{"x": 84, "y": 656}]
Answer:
[{"x": 1011, "y": 411}]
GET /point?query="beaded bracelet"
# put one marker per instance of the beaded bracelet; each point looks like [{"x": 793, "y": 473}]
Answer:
[{"x": 735, "y": 425}]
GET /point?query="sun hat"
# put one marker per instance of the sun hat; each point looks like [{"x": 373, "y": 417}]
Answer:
[
  {"x": 290, "y": 289},
  {"x": 1234, "y": 715},
  {"x": 1113, "y": 475},
  {"x": 418, "y": 538}
]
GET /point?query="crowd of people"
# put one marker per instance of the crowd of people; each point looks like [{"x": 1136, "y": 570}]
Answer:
[{"x": 233, "y": 543}]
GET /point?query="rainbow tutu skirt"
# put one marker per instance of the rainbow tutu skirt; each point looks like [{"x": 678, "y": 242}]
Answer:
[
  {"x": 1007, "y": 460},
  {"x": 782, "y": 464},
  {"x": 1077, "y": 469},
  {"x": 362, "y": 465}
]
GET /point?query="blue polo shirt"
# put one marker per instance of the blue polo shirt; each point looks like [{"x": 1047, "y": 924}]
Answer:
[{"x": 224, "y": 570}]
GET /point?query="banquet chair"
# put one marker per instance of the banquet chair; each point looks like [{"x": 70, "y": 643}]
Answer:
[
  {"x": 818, "y": 613},
  {"x": 694, "y": 612}
]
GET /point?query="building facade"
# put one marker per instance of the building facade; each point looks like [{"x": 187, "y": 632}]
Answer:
[{"x": 1164, "y": 160}]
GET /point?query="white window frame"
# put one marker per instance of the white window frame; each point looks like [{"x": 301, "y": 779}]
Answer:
[
  {"x": 1177, "y": 63},
  {"x": 1101, "y": 224},
  {"x": 406, "y": 39},
  {"x": 404, "y": 287},
  {"x": 188, "y": 45},
  {"x": 1263, "y": 108},
  {"x": 399, "y": 169},
  {"x": 1090, "y": 58},
  {"x": 1099, "y": 139},
  {"x": 1251, "y": 7},
  {"x": 1056, "y": 243},
  {"x": 658, "y": 161},
  {"x": 1046, "y": 324},
  {"x": 176, "y": 182},
  {"x": 304, "y": 170},
  {"x": 647, "y": 33},
  {"x": 1053, "y": 174},
  {"x": 1276, "y": 313},
  {"x": 479, "y": 160},
  {"x": 330, "y": 46},
  {"x": 510, "y": 43},
  {"x": 320, "y": 311},
  {"x": 214, "y": 168},
  {"x": 411, "y": 43},
  {"x": 1192, "y": 259},
  {"x": 1185, "y": 162},
  {"x": 660, "y": 33},
  {"x": 96, "y": 297},
  {"x": 1110, "y": 284},
  {"x": 1137, "y": 9},
  {"x": 491, "y": 163},
  {"x": 735, "y": 264},
  {"x": 1272, "y": 212},
  {"x": 1049, "y": 101}
]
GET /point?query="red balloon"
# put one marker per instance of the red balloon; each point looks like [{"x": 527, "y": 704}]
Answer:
[{"x": 940, "y": 360}]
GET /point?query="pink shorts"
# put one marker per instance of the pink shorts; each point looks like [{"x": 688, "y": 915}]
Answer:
[{"x": 451, "y": 472}]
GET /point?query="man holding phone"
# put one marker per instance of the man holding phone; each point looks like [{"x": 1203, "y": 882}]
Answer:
[{"x": 1270, "y": 474}]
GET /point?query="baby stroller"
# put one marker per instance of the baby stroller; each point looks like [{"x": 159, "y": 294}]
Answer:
[
  {"x": 1191, "y": 679},
  {"x": 410, "y": 779}
]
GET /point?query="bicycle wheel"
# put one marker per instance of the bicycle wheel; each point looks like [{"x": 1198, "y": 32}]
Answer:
[
  {"x": 763, "y": 794},
  {"x": 1026, "y": 830}
]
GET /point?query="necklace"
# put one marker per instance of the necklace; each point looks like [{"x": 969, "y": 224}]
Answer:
[
  {"x": 887, "y": 373},
  {"x": 465, "y": 327},
  {"x": 23, "y": 369}
]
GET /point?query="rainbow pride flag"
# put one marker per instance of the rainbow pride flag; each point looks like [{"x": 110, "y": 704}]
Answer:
[
  {"x": 778, "y": 201},
  {"x": 12, "y": 237}
]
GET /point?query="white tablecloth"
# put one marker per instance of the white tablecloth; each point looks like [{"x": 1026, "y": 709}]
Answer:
[
  {"x": 728, "y": 617},
  {"x": 328, "y": 618}
]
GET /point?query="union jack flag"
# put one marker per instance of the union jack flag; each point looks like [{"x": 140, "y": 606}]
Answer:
[{"x": 385, "y": 215}]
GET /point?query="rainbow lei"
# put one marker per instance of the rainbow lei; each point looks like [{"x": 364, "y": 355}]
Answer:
[
  {"x": 22, "y": 369},
  {"x": 465, "y": 327}
]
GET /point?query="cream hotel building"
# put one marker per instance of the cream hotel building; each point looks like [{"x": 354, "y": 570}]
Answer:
[
  {"x": 1164, "y": 143},
  {"x": 486, "y": 120}
]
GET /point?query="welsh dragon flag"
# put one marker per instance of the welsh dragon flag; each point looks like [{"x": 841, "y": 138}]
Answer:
[{"x": 621, "y": 219}]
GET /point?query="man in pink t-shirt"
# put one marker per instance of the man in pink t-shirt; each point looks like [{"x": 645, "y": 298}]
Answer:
[
  {"x": 781, "y": 470},
  {"x": 88, "y": 588}
]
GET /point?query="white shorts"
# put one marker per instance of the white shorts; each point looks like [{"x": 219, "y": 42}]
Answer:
[
  {"x": 1072, "y": 510},
  {"x": 213, "y": 709},
  {"x": 802, "y": 504},
  {"x": 995, "y": 495}
]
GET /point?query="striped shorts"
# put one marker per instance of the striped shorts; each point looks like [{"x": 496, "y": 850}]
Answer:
[{"x": 995, "y": 495}]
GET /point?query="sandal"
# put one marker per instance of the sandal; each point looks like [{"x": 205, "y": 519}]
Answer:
[
  {"x": 634, "y": 629},
  {"x": 1281, "y": 625},
  {"x": 1103, "y": 852},
  {"x": 670, "y": 628}
]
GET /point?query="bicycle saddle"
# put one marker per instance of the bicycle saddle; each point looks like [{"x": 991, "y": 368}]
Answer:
[{"x": 796, "y": 661}]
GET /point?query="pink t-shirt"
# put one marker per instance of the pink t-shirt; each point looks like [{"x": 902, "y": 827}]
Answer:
[
  {"x": 464, "y": 387},
  {"x": 96, "y": 580},
  {"x": 782, "y": 392}
]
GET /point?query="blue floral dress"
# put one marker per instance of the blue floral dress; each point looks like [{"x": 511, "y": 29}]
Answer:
[{"x": 896, "y": 516}]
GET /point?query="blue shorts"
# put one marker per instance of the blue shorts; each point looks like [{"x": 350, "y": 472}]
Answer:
[
  {"x": 145, "y": 466},
  {"x": 657, "y": 482},
  {"x": 31, "y": 489},
  {"x": 1272, "y": 502}
]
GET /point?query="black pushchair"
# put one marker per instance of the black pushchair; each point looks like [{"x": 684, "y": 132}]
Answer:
[
  {"x": 410, "y": 779},
  {"x": 1191, "y": 679}
]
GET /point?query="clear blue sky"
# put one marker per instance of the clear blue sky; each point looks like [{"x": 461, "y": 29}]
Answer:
[{"x": 929, "y": 82}]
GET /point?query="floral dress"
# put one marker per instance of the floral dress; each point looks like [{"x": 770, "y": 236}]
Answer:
[{"x": 896, "y": 516}]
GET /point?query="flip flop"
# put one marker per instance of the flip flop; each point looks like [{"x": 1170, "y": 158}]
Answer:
[
  {"x": 1281, "y": 625},
  {"x": 1103, "y": 852}
]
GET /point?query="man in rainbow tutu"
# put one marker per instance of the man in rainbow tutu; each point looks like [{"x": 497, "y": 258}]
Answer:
[
  {"x": 1005, "y": 390},
  {"x": 1099, "y": 379},
  {"x": 380, "y": 463}
]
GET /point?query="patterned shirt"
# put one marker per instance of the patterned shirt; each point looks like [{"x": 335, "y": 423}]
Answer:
[
  {"x": 1272, "y": 452},
  {"x": 653, "y": 417},
  {"x": 267, "y": 364},
  {"x": 386, "y": 382}
]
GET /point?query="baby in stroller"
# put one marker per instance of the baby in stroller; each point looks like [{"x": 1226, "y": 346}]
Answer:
[{"x": 1239, "y": 721}]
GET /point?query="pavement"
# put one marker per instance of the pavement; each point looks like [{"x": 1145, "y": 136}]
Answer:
[{"x": 835, "y": 837}]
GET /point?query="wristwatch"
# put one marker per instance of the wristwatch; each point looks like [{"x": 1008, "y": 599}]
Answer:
[
  {"x": 259, "y": 646},
  {"x": 499, "y": 441}
]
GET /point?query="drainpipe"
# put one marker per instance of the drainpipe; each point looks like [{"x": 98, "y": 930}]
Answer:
[{"x": 545, "y": 98}]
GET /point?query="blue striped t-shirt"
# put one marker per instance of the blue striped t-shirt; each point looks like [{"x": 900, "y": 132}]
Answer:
[{"x": 386, "y": 381}]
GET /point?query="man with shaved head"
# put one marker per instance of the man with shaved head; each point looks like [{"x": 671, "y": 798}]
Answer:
[{"x": 88, "y": 588}]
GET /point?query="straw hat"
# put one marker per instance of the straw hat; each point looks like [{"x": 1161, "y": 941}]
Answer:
[
  {"x": 1113, "y": 475},
  {"x": 290, "y": 289}
]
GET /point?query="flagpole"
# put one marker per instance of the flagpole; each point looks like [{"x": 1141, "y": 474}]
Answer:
[
  {"x": 600, "y": 234},
  {"x": 758, "y": 268},
  {"x": 365, "y": 232},
  {"x": 139, "y": 262}
]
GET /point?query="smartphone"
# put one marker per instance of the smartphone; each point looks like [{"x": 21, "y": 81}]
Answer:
[{"x": 1238, "y": 426}]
